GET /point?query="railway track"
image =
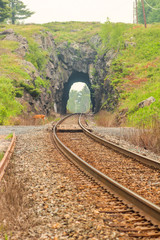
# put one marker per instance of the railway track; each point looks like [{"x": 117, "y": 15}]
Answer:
[{"x": 140, "y": 217}]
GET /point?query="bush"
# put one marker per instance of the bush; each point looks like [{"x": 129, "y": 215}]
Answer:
[
  {"x": 8, "y": 105},
  {"x": 37, "y": 56}
]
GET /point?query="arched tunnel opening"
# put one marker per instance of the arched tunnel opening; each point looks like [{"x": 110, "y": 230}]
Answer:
[
  {"x": 75, "y": 78},
  {"x": 79, "y": 98}
]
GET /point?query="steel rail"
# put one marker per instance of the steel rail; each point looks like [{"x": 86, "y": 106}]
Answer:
[
  {"x": 5, "y": 160},
  {"x": 138, "y": 203},
  {"x": 147, "y": 161}
]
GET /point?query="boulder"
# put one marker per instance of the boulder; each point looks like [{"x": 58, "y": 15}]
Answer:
[{"x": 146, "y": 102}]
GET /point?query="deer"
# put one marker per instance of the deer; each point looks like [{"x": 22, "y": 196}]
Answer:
[{"x": 40, "y": 116}]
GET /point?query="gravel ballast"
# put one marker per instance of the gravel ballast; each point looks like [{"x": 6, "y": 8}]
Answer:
[
  {"x": 46, "y": 199},
  {"x": 48, "y": 204}
]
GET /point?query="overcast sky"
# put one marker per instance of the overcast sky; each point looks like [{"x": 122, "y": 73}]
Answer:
[{"x": 80, "y": 10}]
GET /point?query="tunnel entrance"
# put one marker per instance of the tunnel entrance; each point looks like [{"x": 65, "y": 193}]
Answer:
[
  {"x": 75, "y": 78},
  {"x": 79, "y": 98}
]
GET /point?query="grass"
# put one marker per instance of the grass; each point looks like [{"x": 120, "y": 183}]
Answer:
[
  {"x": 15, "y": 74},
  {"x": 73, "y": 31},
  {"x": 135, "y": 73},
  {"x": 11, "y": 45},
  {"x": 147, "y": 138},
  {"x": 105, "y": 119},
  {"x": 9, "y": 136},
  {"x": 1, "y": 155}
]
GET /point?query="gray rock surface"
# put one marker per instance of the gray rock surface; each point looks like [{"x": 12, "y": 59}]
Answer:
[{"x": 67, "y": 63}]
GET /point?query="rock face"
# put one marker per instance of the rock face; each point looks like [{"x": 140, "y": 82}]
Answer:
[
  {"x": 11, "y": 35},
  {"x": 75, "y": 62},
  {"x": 67, "y": 64}
]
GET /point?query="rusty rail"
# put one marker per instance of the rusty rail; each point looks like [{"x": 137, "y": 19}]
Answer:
[
  {"x": 138, "y": 203},
  {"x": 5, "y": 160},
  {"x": 138, "y": 157}
]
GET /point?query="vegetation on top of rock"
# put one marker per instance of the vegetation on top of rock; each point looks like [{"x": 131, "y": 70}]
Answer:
[
  {"x": 17, "y": 73},
  {"x": 134, "y": 72},
  {"x": 73, "y": 31}
]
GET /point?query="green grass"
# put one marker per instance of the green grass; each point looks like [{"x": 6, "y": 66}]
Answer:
[
  {"x": 136, "y": 71},
  {"x": 9, "y": 136},
  {"x": 11, "y": 45},
  {"x": 73, "y": 31},
  {"x": 9, "y": 106},
  {"x": 1, "y": 155}
]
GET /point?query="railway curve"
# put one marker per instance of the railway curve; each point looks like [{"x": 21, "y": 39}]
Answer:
[{"x": 138, "y": 203}]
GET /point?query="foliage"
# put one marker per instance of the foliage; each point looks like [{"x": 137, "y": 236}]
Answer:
[
  {"x": 152, "y": 11},
  {"x": 9, "y": 136},
  {"x": 8, "y": 105},
  {"x": 73, "y": 31},
  {"x": 16, "y": 70},
  {"x": 34, "y": 92},
  {"x": 39, "y": 82},
  {"x": 37, "y": 56},
  {"x": 112, "y": 35},
  {"x": 11, "y": 45},
  {"x": 135, "y": 73},
  {"x": 18, "y": 11},
  {"x": 12, "y": 67},
  {"x": 1, "y": 155},
  {"x": 79, "y": 101},
  {"x": 4, "y": 10}
]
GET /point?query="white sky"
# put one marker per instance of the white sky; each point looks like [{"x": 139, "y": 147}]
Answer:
[
  {"x": 77, "y": 86},
  {"x": 80, "y": 10}
]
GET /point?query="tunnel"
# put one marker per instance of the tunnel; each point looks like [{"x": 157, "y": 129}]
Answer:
[{"x": 75, "y": 77}]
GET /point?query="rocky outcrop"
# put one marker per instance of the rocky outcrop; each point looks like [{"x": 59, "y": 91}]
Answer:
[
  {"x": 146, "y": 102},
  {"x": 68, "y": 63},
  {"x": 12, "y": 36}
]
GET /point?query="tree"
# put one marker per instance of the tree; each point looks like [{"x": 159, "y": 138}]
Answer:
[
  {"x": 19, "y": 11},
  {"x": 4, "y": 10},
  {"x": 152, "y": 11},
  {"x": 79, "y": 101}
]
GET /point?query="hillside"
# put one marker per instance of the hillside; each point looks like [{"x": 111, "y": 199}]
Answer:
[
  {"x": 125, "y": 70},
  {"x": 135, "y": 73}
]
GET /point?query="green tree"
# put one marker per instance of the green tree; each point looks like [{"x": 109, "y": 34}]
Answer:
[
  {"x": 19, "y": 11},
  {"x": 152, "y": 11},
  {"x": 84, "y": 99},
  {"x": 79, "y": 101},
  {"x": 4, "y": 10},
  {"x": 72, "y": 102}
]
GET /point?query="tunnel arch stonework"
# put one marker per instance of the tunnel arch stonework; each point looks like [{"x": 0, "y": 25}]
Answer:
[
  {"x": 75, "y": 77},
  {"x": 75, "y": 62}
]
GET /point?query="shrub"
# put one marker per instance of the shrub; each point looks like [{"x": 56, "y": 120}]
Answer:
[
  {"x": 37, "y": 56},
  {"x": 8, "y": 105}
]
